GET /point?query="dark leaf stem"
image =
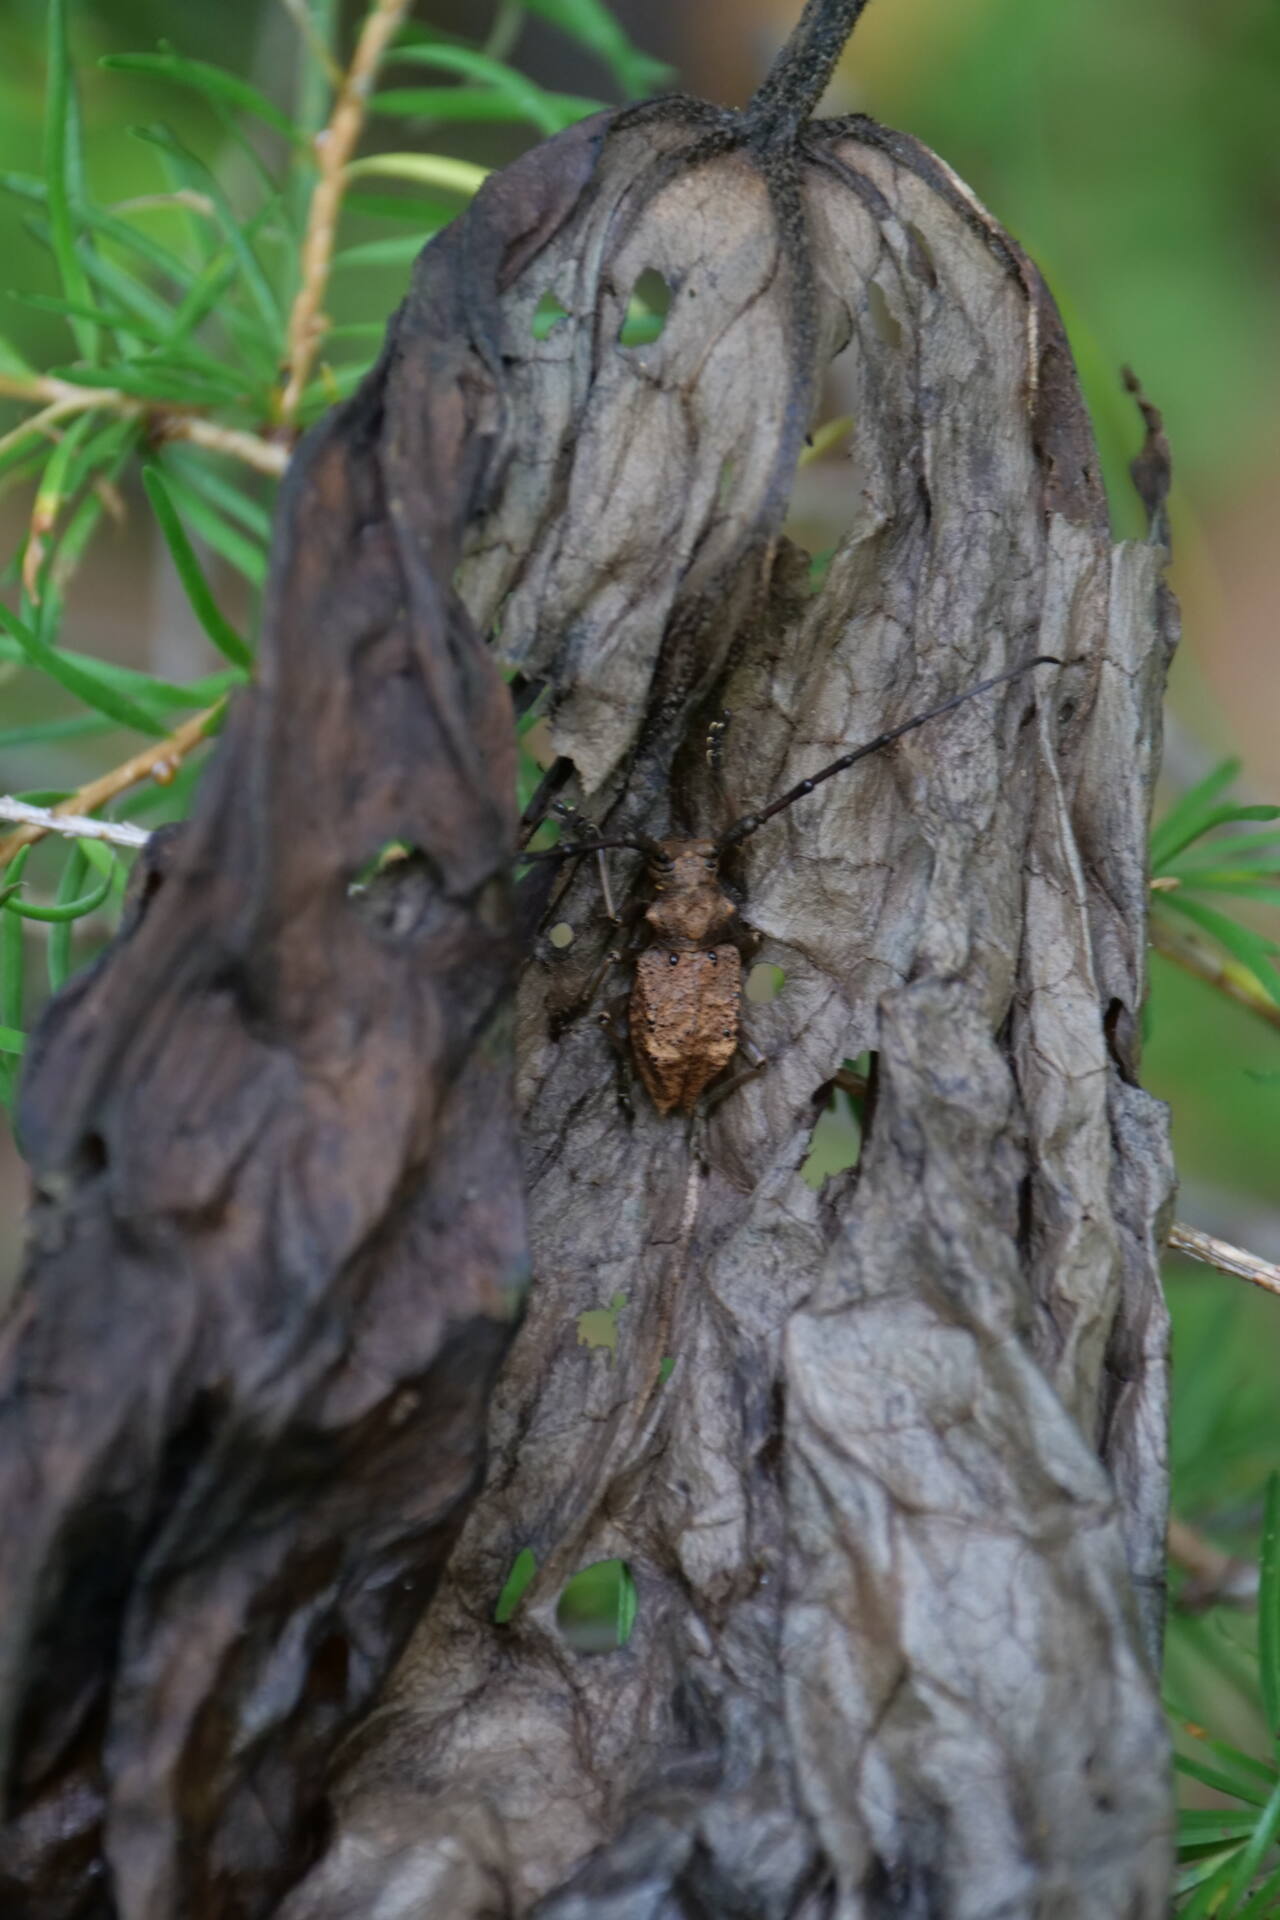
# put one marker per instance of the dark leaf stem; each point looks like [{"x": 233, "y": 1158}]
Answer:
[{"x": 798, "y": 79}]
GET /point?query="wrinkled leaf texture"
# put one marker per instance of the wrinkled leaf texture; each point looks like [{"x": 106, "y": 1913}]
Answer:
[{"x": 895, "y": 1514}]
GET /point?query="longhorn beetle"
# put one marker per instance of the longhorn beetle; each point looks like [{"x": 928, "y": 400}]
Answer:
[{"x": 685, "y": 1008}]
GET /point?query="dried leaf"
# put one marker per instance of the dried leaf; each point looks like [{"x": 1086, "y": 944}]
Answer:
[{"x": 895, "y": 1519}]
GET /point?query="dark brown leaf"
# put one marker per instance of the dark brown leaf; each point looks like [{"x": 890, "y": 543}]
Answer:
[{"x": 886, "y": 1462}]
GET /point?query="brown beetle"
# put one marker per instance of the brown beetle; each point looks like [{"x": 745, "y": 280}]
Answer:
[{"x": 684, "y": 1014}]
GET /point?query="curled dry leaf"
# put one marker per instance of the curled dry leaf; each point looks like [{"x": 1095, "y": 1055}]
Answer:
[
  {"x": 895, "y": 1515},
  {"x": 279, "y": 1242},
  {"x": 886, "y": 1462}
]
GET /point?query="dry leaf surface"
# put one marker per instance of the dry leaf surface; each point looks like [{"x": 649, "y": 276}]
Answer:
[
  {"x": 895, "y": 1512},
  {"x": 896, "y": 1515}
]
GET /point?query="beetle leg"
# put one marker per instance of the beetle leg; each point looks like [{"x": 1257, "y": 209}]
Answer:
[
  {"x": 751, "y": 1053},
  {"x": 613, "y": 1024},
  {"x": 614, "y": 954},
  {"x": 746, "y": 938},
  {"x": 756, "y": 1064}
]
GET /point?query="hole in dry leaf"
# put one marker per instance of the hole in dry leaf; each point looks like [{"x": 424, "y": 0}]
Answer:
[
  {"x": 596, "y": 1612},
  {"x": 548, "y": 313},
  {"x": 598, "y": 1327},
  {"x": 390, "y": 854},
  {"x": 764, "y": 983},
  {"x": 819, "y": 567},
  {"x": 399, "y": 893},
  {"x": 836, "y": 1142},
  {"x": 886, "y": 327},
  {"x": 523, "y": 1568},
  {"x": 647, "y": 310},
  {"x": 561, "y": 935},
  {"x": 535, "y": 740}
]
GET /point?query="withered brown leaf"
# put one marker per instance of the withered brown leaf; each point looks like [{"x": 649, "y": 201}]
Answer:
[{"x": 895, "y": 1514}]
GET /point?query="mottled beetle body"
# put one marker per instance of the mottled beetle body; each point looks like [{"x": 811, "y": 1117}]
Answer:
[{"x": 684, "y": 1011}]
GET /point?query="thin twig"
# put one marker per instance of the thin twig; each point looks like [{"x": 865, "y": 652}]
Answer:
[
  {"x": 43, "y": 422},
  {"x": 266, "y": 455},
  {"x": 74, "y": 825},
  {"x": 334, "y": 147},
  {"x": 164, "y": 421},
  {"x": 1214, "y": 1578},
  {"x": 297, "y": 11},
  {"x": 1213, "y": 1252},
  {"x": 159, "y": 761},
  {"x": 1229, "y": 978},
  {"x": 181, "y": 197},
  {"x": 508, "y": 24}
]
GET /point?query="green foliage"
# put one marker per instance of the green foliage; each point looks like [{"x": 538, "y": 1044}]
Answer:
[
  {"x": 598, "y": 1607},
  {"x": 1194, "y": 850},
  {"x": 523, "y": 1568},
  {"x": 164, "y": 278},
  {"x": 1229, "y": 1864},
  {"x": 173, "y": 304}
]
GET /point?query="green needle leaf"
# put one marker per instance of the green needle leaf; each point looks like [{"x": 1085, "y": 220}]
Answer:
[
  {"x": 1265, "y": 1903},
  {"x": 1185, "y": 816},
  {"x": 246, "y": 555},
  {"x": 505, "y": 84},
  {"x": 523, "y": 1568},
  {"x": 591, "y": 24},
  {"x": 1218, "y": 817},
  {"x": 82, "y": 678},
  {"x": 483, "y": 104},
  {"x": 628, "y": 1603},
  {"x": 66, "y": 910},
  {"x": 1269, "y": 1610},
  {"x": 196, "y": 175},
  {"x": 1221, "y": 1782},
  {"x": 1251, "y": 1856},
  {"x": 1250, "y": 948},
  {"x": 214, "y": 82},
  {"x": 203, "y": 604},
  {"x": 41, "y": 732},
  {"x": 60, "y": 169},
  {"x": 12, "y": 981},
  {"x": 58, "y": 957}
]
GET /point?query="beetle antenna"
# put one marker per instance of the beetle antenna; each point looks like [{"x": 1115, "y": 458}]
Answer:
[
  {"x": 751, "y": 821},
  {"x": 574, "y": 849}
]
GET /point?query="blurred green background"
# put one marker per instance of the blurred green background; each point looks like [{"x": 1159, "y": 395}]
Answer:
[{"x": 1134, "y": 148}]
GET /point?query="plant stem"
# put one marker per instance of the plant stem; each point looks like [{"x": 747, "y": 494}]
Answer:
[
  {"x": 1229, "y": 978},
  {"x": 1225, "y": 1258},
  {"x": 160, "y": 758},
  {"x": 798, "y": 78},
  {"x": 508, "y": 23},
  {"x": 118, "y": 833},
  {"x": 62, "y": 398},
  {"x": 335, "y": 146},
  {"x": 1215, "y": 1578}
]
